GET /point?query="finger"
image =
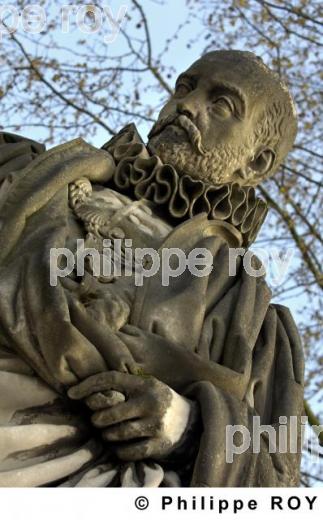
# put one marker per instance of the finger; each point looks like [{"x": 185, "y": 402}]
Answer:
[
  {"x": 129, "y": 430},
  {"x": 102, "y": 400},
  {"x": 111, "y": 380},
  {"x": 129, "y": 367},
  {"x": 130, "y": 340},
  {"x": 131, "y": 330},
  {"x": 110, "y": 346},
  {"x": 132, "y": 409},
  {"x": 137, "y": 450}
]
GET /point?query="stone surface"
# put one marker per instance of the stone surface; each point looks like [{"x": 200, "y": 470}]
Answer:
[{"x": 105, "y": 383}]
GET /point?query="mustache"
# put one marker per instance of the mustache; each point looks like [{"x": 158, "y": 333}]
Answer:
[{"x": 186, "y": 124}]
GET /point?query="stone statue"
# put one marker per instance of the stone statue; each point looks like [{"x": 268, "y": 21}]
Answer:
[{"x": 105, "y": 383}]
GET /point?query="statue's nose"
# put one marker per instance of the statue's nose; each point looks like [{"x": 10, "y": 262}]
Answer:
[{"x": 187, "y": 108}]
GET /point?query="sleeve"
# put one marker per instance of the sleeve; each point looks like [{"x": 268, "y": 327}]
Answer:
[
  {"x": 33, "y": 222},
  {"x": 255, "y": 442},
  {"x": 42, "y": 439},
  {"x": 16, "y": 152}
]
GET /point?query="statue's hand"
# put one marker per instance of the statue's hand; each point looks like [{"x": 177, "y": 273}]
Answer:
[{"x": 153, "y": 417}]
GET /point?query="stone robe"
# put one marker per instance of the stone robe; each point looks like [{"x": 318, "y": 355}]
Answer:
[{"x": 215, "y": 339}]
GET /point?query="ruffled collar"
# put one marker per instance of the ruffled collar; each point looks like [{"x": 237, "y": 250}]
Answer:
[{"x": 142, "y": 175}]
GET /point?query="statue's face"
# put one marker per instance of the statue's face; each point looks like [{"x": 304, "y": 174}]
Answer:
[{"x": 206, "y": 129}]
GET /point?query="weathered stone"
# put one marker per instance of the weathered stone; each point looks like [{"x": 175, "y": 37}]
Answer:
[{"x": 107, "y": 383}]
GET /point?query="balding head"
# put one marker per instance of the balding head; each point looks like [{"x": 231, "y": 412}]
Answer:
[{"x": 243, "y": 113}]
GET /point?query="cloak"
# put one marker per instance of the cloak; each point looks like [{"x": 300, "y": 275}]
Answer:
[{"x": 216, "y": 339}]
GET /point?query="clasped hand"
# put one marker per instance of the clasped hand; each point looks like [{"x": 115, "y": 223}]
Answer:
[{"x": 151, "y": 421}]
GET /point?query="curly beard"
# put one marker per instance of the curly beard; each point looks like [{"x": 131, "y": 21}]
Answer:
[
  {"x": 216, "y": 167},
  {"x": 188, "y": 156}
]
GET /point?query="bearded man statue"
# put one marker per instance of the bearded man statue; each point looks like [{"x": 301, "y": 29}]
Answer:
[{"x": 105, "y": 382}]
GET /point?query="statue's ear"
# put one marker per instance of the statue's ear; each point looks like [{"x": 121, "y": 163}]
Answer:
[{"x": 262, "y": 162}]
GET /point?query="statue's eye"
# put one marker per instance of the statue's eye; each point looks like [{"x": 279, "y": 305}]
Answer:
[
  {"x": 223, "y": 106},
  {"x": 182, "y": 89}
]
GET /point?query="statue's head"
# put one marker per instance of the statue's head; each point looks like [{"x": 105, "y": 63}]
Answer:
[{"x": 230, "y": 119}]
